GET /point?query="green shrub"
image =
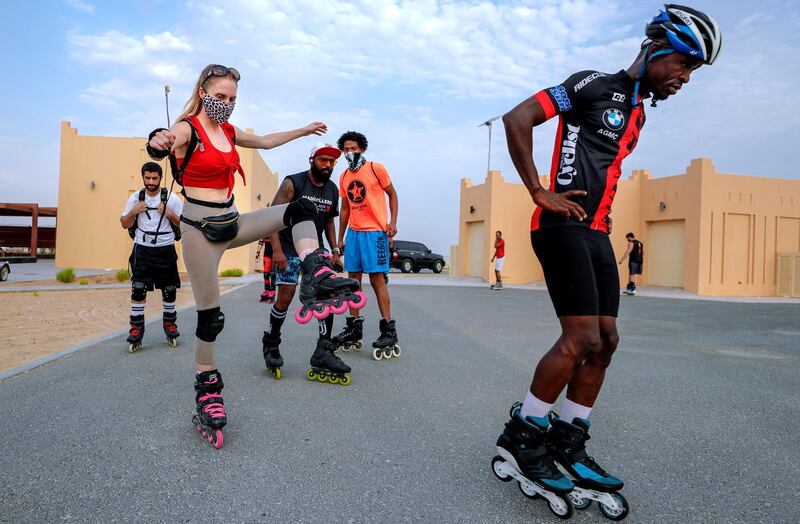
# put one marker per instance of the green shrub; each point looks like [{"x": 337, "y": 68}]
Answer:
[
  {"x": 123, "y": 275},
  {"x": 235, "y": 272},
  {"x": 84, "y": 281},
  {"x": 66, "y": 275}
]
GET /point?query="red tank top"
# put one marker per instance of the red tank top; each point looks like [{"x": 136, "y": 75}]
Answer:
[{"x": 210, "y": 167}]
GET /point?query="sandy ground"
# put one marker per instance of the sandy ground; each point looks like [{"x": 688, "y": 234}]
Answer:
[{"x": 35, "y": 324}]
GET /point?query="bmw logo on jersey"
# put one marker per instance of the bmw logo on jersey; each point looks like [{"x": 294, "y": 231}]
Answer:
[{"x": 614, "y": 119}]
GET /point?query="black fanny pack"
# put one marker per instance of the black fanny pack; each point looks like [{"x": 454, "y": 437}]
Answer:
[{"x": 220, "y": 228}]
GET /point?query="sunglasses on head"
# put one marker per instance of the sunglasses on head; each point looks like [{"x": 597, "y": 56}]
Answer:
[{"x": 221, "y": 70}]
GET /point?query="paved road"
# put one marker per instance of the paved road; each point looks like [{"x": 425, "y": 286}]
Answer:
[{"x": 699, "y": 416}]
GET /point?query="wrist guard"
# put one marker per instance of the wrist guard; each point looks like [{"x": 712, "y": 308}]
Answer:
[{"x": 155, "y": 153}]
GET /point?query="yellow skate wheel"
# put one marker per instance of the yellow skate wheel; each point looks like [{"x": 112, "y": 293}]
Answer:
[
  {"x": 311, "y": 374},
  {"x": 323, "y": 377},
  {"x": 345, "y": 380},
  {"x": 277, "y": 373},
  {"x": 334, "y": 380}
]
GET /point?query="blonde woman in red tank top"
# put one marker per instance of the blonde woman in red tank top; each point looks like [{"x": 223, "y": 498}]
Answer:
[{"x": 208, "y": 178}]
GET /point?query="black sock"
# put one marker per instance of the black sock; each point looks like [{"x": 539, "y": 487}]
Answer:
[
  {"x": 276, "y": 319},
  {"x": 325, "y": 326}
]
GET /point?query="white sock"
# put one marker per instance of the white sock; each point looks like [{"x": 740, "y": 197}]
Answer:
[
  {"x": 137, "y": 310},
  {"x": 533, "y": 407},
  {"x": 169, "y": 307},
  {"x": 570, "y": 410}
]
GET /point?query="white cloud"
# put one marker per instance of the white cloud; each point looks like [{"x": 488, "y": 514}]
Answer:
[
  {"x": 418, "y": 77},
  {"x": 115, "y": 48},
  {"x": 81, "y": 6}
]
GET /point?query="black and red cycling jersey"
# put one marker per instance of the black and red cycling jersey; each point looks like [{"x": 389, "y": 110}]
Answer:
[{"x": 597, "y": 127}]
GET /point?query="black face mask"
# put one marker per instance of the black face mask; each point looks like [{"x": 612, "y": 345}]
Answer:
[{"x": 321, "y": 174}]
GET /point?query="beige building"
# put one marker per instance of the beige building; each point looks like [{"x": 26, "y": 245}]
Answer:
[
  {"x": 98, "y": 174},
  {"x": 707, "y": 232}
]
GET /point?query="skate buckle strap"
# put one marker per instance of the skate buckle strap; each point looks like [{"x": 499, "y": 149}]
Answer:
[
  {"x": 323, "y": 269},
  {"x": 215, "y": 409}
]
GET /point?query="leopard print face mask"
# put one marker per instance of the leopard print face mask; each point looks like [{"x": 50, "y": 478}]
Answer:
[{"x": 218, "y": 110}]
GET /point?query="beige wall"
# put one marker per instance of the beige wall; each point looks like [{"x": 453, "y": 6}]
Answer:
[
  {"x": 89, "y": 234},
  {"x": 731, "y": 226}
]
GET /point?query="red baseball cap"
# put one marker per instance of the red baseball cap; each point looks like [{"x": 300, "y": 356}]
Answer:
[{"x": 325, "y": 149}]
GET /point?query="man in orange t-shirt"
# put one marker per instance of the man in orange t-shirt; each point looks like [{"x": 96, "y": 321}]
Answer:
[{"x": 363, "y": 188}]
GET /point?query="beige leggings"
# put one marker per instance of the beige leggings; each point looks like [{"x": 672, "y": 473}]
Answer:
[{"x": 202, "y": 256}]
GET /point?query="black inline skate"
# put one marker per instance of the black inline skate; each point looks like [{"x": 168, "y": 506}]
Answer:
[
  {"x": 522, "y": 455},
  {"x": 386, "y": 346},
  {"x": 171, "y": 329},
  {"x": 567, "y": 444},
  {"x": 136, "y": 333},
  {"x": 323, "y": 292},
  {"x": 210, "y": 417},
  {"x": 350, "y": 337},
  {"x": 272, "y": 355},
  {"x": 327, "y": 367}
]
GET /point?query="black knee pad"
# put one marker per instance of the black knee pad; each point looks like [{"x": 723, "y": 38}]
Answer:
[
  {"x": 168, "y": 293},
  {"x": 209, "y": 324},
  {"x": 298, "y": 211},
  {"x": 138, "y": 291}
]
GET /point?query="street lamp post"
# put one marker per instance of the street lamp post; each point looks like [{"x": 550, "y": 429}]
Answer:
[{"x": 488, "y": 124}]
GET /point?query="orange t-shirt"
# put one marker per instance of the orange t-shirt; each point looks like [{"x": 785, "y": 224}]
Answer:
[{"x": 364, "y": 192}]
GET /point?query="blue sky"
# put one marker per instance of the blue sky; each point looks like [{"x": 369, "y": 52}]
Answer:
[{"x": 416, "y": 77}]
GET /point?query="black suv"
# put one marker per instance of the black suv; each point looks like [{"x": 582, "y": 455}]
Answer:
[{"x": 413, "y": 256}]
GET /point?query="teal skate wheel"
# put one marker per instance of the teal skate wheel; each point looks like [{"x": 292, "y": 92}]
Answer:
[
  {"x": 579, "y": 502},
  {"x": 618, "y": 513}
]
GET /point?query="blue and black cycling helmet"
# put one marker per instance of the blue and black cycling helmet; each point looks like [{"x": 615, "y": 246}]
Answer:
[
  {"x": 687, "y": 31},
  {"x": 680, "y": 29}
]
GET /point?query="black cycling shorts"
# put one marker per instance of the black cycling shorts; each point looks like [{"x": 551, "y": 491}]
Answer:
[
  {"x": 156, "y": 267},
  {"x": 580, "y": 270},
  {"x": 635, "y": 268}
]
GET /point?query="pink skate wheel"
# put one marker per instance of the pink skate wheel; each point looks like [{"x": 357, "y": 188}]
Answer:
[
  {"x": 303, "y": 318},
  {"x": 220, "y": 438},
  {"x": 339, "y": 310},
  {"x": 362, "y": 300},
  {"x": 326, "y": 310}
]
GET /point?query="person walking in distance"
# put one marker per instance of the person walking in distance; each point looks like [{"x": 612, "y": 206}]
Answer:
[
  {"x": 600, "y": 118},
  {"x": 635, "y": 255},
  {"x": 364, "y": 187},
  {"x": 498, "y": 258},
  {"x": 151, "y": 217}
]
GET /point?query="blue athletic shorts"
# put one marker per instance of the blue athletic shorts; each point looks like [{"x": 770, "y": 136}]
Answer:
[
  {"x": 291, "y": 274},
  {"x": 366, "y": 252}
]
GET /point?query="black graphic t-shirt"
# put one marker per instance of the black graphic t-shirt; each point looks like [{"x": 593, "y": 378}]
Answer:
[
  {"x": 597, "y": 128},
  {"x": 326, "y": 199}
]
